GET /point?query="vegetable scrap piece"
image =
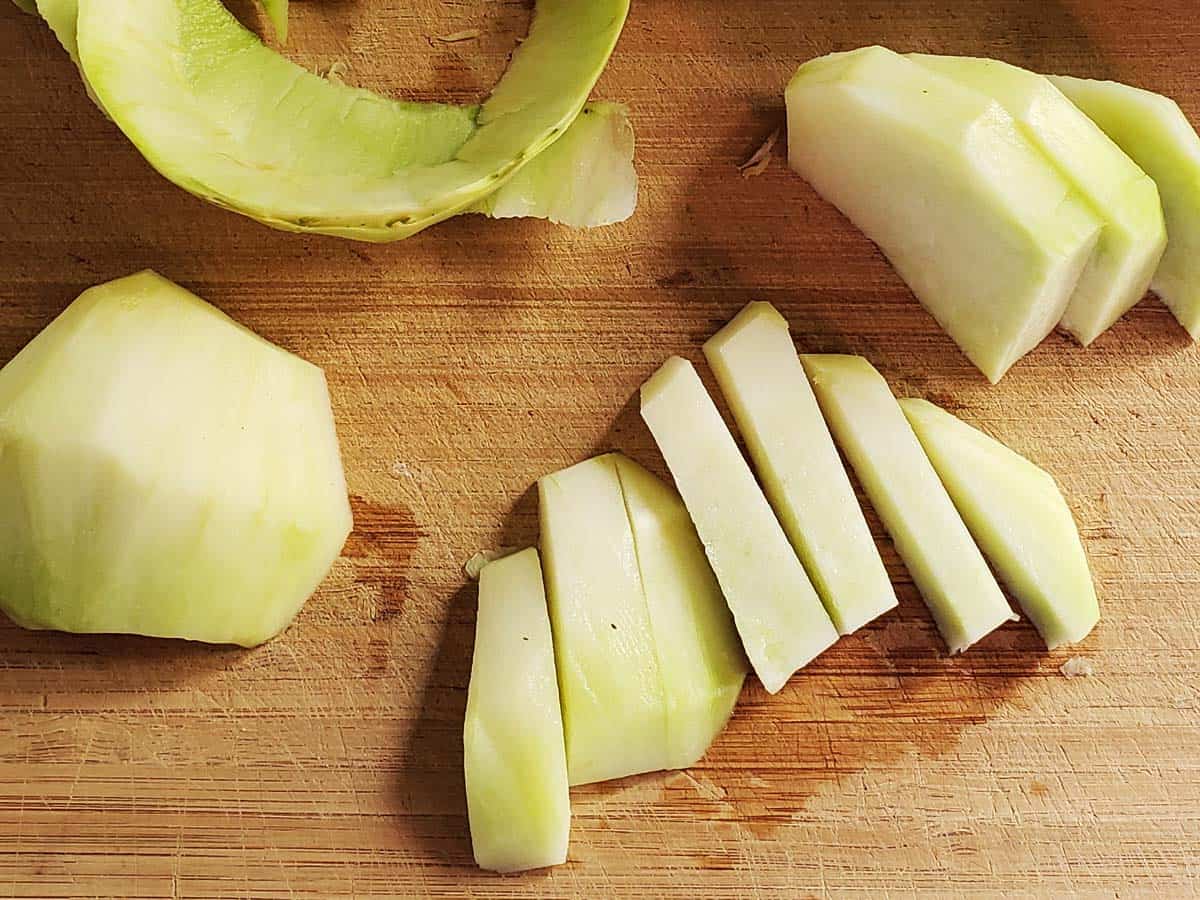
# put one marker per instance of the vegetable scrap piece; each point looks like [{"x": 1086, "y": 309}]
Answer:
[{"x": 760, "y": 159}]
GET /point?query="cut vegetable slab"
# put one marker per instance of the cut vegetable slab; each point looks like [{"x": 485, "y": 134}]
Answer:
[
  {"x": 1155, "y": 133},
  {"x": 1120, "y": 194},
  {"x": 514, "y": 758},
  {"x": 761, "y": 376},
  {"x": 779, "y": 616},
  {"x": 1019, "y": 518},
  {"x": 164, "y": 471},
  {"x": 234, "y": 122},
  {"x": 614, "y": 709},
  {"x": 987, "y": 233},
  {"x": 928, "y": 532},
  {"x": 699, "y": 656}
]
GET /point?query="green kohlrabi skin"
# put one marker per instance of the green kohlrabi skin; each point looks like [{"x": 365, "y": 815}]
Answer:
[
  {"x": 1018, "y": 516},
  {"x": 586, "y": 179},
  {"x": 165, "y": 472},
  {"x": 234, "y": 122}
]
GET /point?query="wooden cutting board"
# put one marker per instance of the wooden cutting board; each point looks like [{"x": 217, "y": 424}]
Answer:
[{"x": 470, "y": 360}]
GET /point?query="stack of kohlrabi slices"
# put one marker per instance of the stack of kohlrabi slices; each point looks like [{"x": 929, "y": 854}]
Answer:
[
  {"x": 621, "y": 650},
  {"x": 1011, "y": 203}
]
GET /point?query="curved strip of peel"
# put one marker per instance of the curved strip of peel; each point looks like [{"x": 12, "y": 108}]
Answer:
[{"x": 232, "y": 121}]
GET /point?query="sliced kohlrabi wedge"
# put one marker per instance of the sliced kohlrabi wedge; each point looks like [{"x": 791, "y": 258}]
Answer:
[
  {"x": 760, "y": 375},
  {"x": 928, "y": 532},
  {"x": 513, "y": 753},
  {"x": 614, "y": 711},
  {"x": 1019, "y": 518},
  {"x": 779, "y": 616},
  {"x": 232, "y": 121},
  {"x": 1120, "y": 194},
  {"x": 164, "y": 471},
  {"x": 987, "y": 233},
  {"x": 29, "y": 6},
  {"x": 1156, "y": 134},
  {"x": 700, "y": 658}
]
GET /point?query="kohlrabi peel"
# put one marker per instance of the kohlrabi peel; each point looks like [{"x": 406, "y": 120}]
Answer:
[
  {"x": 514, "y": 758},
  {"x": 1018, "y": 517},
  {"x": 987, "y": 233},
  {"x": 232, "y": 121},
  {"x": 700, "y": 659},
  {"x": 1155, "y": 133},
  {"x": 761, "y": 377},
  {"x": 165, "y": 472},
  {"x": 904, "y": 488},
  {"x": 779, "y": 616},
  {"x": 1118, "y": 192}
]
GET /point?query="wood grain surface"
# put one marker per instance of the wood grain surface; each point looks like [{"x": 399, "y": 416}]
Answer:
[{"x": 468, "y": 361}]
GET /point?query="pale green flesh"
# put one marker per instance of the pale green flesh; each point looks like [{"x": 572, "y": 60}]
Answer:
[
  {"x": 586, "y": 179},
  {"x": 1155, "y": 133},
  {"x": 928, "y": 532},
  {"x": 975, "y": 219},
  {"x": 1118, "y": 192},
  {"x": 232, "y": 121},
  {"x": 614, "y": 709},
  {"x": 761, "y": 377},
  {"x": 779, "y": 616},
  {"x": 1018, "y": 516},
  {"x": 514, "y": 758},
  {"x": 163, "y": 471},
  {"x": 699, "y": 656}
]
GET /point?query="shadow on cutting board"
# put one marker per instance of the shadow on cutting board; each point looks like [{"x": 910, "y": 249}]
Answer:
[
  {"x": 129, "y": 659},
  {"x": 430, "y": 789}
]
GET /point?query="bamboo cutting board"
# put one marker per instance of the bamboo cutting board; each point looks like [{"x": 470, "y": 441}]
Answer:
[{"x": 470, "y": 360}]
